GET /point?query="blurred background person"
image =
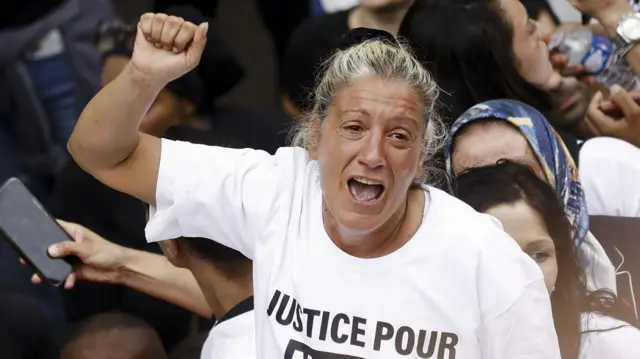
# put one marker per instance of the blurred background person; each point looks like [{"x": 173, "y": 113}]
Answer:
[
  {"x": 316, "y": 39},
  {"x": 533, "y": 216}
]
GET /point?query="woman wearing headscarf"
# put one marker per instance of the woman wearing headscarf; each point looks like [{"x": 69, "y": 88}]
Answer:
[
  {"x": 509, "y": 129},
  {"x": 532, "y": 215}
]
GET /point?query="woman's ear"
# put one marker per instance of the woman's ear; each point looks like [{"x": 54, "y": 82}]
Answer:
[
  {"x": 313, "y": 137},
  {"x": 172, "y": 251}
]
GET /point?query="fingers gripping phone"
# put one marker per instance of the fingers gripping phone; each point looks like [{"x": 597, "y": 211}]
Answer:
[{"x": 30, "y": 229}]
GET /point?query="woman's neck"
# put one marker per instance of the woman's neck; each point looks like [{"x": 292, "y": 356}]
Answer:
[
  {"x": 388, "y": 20},
  {"x": 386, "y": 239},
  {"x": 225, "y": 285}
]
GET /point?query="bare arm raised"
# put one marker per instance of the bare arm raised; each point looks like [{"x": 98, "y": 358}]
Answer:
[{"x": 106, "y": 141}]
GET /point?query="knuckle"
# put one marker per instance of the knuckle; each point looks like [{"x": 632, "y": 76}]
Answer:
[{"x": 173, "y": 20}]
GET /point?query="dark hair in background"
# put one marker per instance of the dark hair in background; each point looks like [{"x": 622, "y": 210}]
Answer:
[
  {"x": 468, "y": 46},
  {"x": 536, "y": 7},
  {"x": 508, "y": 183},
  {"x": 114, "y": 334},
  {"x": 203, "y": 247},
  {"x": 218, "y": 72}
]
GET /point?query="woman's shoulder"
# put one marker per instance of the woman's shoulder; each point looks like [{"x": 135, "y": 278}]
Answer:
[
  {"x": 449, "y": 209},
  {"x": 608, "y": 337}
]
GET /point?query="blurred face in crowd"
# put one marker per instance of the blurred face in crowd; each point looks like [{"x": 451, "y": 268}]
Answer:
[
  {"x": 166, "y": 111},
  {"x": 531, "y": 52},
  {"x": 483, "y": 143},
  {"x": 570, "y": 102},
  {"x": 528, "y": 228},
  {"x": 369, "y": 152}
]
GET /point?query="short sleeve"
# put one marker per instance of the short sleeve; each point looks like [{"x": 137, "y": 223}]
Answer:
[
  {"x": 223, "y": 194},
  {"x": 524, "y": 331}
]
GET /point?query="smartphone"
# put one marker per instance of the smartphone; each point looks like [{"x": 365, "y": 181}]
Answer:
[{"x": 30, "y": 229}]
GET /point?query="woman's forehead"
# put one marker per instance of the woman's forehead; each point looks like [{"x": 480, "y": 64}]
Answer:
[{"x": 371, "y": 96}]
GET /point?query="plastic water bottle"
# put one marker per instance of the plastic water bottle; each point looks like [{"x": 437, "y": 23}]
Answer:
[{"x": 597, "y": 55}]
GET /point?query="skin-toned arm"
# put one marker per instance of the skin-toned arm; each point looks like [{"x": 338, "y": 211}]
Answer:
[
  {"x": 105, "y": 262},
  {"x": 106, "y": 141},
  {"x": 609, "y": 13},
  {"x": 153, "y": 274}
]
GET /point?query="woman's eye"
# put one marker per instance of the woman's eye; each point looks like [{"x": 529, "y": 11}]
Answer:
[
  {"x": 353, "y": 128},
  {"x": 539, "y": 256},
  {"x": 400, "y": 136}
]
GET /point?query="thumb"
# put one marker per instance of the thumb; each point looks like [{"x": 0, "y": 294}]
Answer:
[
  {"x": 66, "y": 248},
  {"x": 624, "y": 101},
  {"x": 74, "y": 230},
  {"x": 199, "y": 42}
]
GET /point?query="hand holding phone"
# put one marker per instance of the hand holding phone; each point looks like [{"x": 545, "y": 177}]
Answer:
[
  {"x": 27, "y": 226},
  {"x": 98, "y": 260}
]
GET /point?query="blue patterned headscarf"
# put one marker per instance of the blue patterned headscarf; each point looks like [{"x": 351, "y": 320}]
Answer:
[{"x": 560, "y": 169}]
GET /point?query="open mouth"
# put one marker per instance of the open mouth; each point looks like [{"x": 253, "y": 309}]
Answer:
[{"x": 365, "y": 190}]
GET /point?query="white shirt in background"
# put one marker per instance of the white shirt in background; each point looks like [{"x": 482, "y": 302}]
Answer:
[
  {"x": 460, "y": 288},
  {"x": 232, "y": 339},
  {"x": 331, "y": 6},
  {"x": 608, "y": 338},
  {"x": 610, "y": 173}
]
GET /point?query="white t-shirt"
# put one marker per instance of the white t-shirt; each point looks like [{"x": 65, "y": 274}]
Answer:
[
  {"x": 232, "y": 339},
  {"x": 609, "y": 172},
  {"x": 460, "y": 288},
  {"x": 608, "y": 338}
]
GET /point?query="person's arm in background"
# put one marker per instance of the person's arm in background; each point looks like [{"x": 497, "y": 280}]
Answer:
[
  {"x": 106, "y": 262},
  {"x": 609, "y": 13},
  {"x": 106, "y": 141},
  {"x": 152, "y": 274}
]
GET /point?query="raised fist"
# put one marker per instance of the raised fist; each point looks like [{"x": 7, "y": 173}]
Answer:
[{"x": 167, "y": 47}]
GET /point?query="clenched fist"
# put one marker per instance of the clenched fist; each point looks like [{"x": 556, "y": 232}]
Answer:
[{"x": 167, "y": 47}]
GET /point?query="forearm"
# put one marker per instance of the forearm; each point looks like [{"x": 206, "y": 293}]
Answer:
[
  {"x": 107, "y": 131},
  {"x": 153, "y": 274},
  {"x": 610, "y": 20}
]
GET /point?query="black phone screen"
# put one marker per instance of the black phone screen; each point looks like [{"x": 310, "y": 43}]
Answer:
[{"x": 31, "y": 230}]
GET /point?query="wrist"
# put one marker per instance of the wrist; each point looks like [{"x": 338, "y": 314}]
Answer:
[
  {"x": 124, "y": 269},
  {"x": 610, "y": 17},
  {"x": 141, "y": 80}
]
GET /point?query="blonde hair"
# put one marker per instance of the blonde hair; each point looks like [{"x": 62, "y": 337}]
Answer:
[{"x": 387, "y": 61}]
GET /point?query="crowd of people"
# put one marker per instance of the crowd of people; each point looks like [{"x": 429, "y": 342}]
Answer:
[{"x": 435, "y": 181}]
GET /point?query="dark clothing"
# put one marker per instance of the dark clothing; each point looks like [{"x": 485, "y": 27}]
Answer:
[
  {"x": 535, "y": 7},
  {"x": 313, "y": 42},
  {"x": 280, "y": 17},
  {"x": 121, "y": 219},
  {"x": 25, "y": 332},
  {"x": 16, "y": 13}
]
